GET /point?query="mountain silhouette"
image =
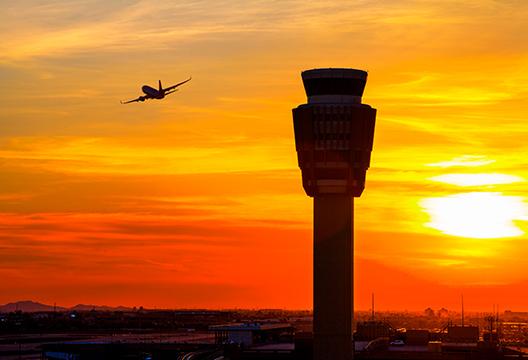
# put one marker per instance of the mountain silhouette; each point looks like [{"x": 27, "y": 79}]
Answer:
[{"x": 32, "y": 306}]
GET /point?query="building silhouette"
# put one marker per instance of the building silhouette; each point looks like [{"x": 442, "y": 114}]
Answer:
[{"x": 334, "y": 133}]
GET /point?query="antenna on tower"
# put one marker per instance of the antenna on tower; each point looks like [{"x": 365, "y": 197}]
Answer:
[
  {"x": 372, "y": 306},
  {"x": 462, "y": 309},
  {"x": 492, "y": 317}
]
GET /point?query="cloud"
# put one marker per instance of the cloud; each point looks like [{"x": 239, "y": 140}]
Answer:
[
  {"x": 84, "y": 155},
  {"x": 466, "y": 160},
  {"x": 168, "y": 266},
  {"x": 129, "y": 250},
  {"x": 477, "y": 179},
  {"x": 60, "y": 28}
]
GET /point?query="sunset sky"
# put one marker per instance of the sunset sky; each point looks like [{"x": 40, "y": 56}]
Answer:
[{"x": 196, "y": 200}]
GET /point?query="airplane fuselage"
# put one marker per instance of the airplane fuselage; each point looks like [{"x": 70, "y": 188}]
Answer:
[{"x": 151, "y": 92}]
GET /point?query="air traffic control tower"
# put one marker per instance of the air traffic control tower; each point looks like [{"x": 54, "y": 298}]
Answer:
[{"x": 334, "y": 132}]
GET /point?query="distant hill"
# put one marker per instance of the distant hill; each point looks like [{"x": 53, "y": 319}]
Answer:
[
  {"x": 82, "y": 307},
  {"x": 31, "y": 306},
  {"x": 28, "y": 306}
]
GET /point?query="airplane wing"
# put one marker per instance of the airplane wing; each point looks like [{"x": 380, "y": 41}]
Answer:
[
  {"x": 175, "y": 86},
  {"x": 170, "y": 92},
  {"x": 141, "y": 98}
]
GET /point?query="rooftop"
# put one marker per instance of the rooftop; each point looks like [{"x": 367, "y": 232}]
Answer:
[{"x": 246, "y": 327}]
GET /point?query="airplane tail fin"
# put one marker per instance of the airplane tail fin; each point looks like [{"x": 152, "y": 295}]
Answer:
[{"x": 160, "y": 87}]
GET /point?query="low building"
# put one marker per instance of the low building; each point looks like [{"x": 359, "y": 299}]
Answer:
[
  {"x": 417, "y": 337},
  {"x": 372, "y": 330},
  {"x": 250, "y": 334},
  {"x": 461, "y": 338}
]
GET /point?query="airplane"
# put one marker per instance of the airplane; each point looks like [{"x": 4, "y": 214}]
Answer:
[{"x": 151, "y": 93}]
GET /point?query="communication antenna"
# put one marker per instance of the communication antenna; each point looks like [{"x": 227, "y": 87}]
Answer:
[
  {"x": 372, "y": 306},
  {"x": 492, "y": 317},
  {"x": 462, "y": 309}
]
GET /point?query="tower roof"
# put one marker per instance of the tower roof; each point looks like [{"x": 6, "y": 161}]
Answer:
[{"x": 322, "y": 85}]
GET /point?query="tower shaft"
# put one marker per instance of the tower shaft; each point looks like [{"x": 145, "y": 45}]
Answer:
[{"x": 333, "y": 277}]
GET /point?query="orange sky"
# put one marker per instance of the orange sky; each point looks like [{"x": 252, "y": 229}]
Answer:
[{"x": 196, "y": 200}]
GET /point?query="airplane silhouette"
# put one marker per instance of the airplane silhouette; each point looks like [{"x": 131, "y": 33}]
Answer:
[{"x": 151, "y": 93}]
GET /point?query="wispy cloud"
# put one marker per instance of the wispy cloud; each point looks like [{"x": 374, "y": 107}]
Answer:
[
  {"x": 114, "y": 156},
  {"x": 477, "y": 179},
  {"x": 59, "y": 28},
  {"x": 467, "y": 160}
]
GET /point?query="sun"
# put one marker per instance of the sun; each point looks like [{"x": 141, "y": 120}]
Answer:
[{"x": 477, "y": 215}]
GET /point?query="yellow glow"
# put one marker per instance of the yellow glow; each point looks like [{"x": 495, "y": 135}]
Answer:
[
  {"x": 477, "y": 179},
  {"x": 476, "y": 214}
]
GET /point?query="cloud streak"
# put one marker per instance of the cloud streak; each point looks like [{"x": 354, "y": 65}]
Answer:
[{"x": 60, "y": 28}]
